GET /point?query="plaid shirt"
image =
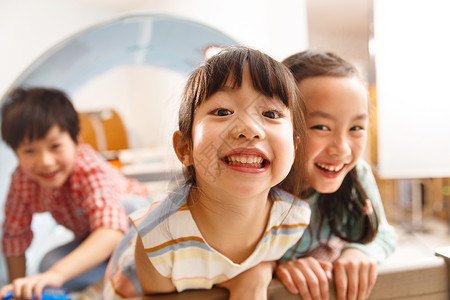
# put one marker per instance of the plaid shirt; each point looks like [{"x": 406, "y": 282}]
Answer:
[{"x": 89, "y": 199}]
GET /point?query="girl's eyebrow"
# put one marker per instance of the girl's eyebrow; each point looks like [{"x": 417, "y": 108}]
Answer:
[
  {"x": 362, "y": 116},
  {"x": 322, "y": 114}
]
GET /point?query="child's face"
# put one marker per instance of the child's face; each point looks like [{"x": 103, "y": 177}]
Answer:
[
  {"x": 48, "y": 161},
  {"x": 337, "y": 120},
  {"x": 242, "y": 141}
]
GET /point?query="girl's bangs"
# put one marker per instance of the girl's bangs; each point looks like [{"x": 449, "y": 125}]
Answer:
[{"x": 268, "y": 77}]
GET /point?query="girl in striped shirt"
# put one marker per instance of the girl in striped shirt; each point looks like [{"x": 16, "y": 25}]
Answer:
[{"x": 240, "y": 121}]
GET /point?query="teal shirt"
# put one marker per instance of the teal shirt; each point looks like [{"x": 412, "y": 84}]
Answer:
[{"x": 379, "y": 249}]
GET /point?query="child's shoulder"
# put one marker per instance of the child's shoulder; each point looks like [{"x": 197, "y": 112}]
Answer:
[
  {"x": 163, "y": 206},
  {"x": 88, "y": 159},
  {"x": 18, "y": 174},
  {"x": 20, "y": 180},
  {"x": 289, "y": 210},
  {"x": 363, "y": 165},
  {"x": 283, "y": 196},
  {"x": 165, "y": 222},
  {"x": 297, "y": 209},
  {"x": 363, "y": 169}
]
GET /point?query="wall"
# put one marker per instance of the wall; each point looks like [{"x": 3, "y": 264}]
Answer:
[
  {"x": 411, "y": 58},
  {"x": 342, "y": 27}
]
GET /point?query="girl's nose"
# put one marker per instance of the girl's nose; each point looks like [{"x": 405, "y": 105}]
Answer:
[
  {"x": 248, "y": 128},
  {"x": 339, "y": 146}
]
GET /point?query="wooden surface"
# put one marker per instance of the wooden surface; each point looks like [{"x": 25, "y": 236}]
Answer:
[
  {"x": 426, "y": 279},
  {"x": 87, "y": 130},
  {"x": 103, "y": 130}
]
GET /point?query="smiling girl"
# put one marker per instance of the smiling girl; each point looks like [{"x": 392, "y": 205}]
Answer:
[
  {"x": 240, "y": 121},
  {"x": 349, "y": 233}
]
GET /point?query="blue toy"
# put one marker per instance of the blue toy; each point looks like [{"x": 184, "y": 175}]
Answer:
[{"x": 49, "y": 293}]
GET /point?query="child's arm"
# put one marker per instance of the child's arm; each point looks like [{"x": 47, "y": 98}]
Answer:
[
  {"x": 16, "y": 269},
  {"x": 95, "y": 249},
  {"x": 251, "y": 284},
  {"x": 16, "y": 266},
  {"x": 152, "y": 282}
]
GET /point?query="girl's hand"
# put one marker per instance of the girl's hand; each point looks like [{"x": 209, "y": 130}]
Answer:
[
  {"x": 24, "y": 287},
  {"x": 251, "y": 284},
  {"x": 306, "y": 276},
  {"x": 355, "y": 274}
]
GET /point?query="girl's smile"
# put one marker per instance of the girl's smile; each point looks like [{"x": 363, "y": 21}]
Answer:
[
  {"x": 246, "y": 160},
  {"x": 330, "y": 170},
  {"x": 337, "y": 120}
]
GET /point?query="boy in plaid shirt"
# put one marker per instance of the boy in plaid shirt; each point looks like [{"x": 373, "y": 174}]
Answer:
[{"x": 57, "y": 173}]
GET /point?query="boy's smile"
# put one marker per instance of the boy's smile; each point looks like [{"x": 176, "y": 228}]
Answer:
[{"x": 48, "y": 161}]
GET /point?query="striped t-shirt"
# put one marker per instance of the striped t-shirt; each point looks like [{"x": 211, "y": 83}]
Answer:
[{"x": 177, "y": 250}]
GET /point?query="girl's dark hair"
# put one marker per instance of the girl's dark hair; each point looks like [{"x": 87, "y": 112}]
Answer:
[
  {"x": 343, "y": 210},
  {"x": 28, "y": 114},
  {"x": 269, "y": 77}
]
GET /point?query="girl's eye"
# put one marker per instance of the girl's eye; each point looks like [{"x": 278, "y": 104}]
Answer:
[
  {"x": 356, "y": 128},
  {"x": 320, "y": 127},
  {"x": 55, "y": 146},
  {"x": 272, "y": 114},
  {"x": 222, "y": 112}
]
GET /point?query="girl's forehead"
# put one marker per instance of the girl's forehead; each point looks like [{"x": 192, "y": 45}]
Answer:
[
  {"x": 326, "y": 86},
  {"x": 334, "y": 94},
  {"x": 235, "y": 93},
  {"x": 233, "y": 79}
]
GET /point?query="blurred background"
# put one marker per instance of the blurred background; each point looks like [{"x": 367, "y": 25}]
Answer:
[{"x": 124, "y": 64}]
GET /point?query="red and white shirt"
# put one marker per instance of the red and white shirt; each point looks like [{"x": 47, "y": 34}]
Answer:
[{"x": 89, "y": 199}]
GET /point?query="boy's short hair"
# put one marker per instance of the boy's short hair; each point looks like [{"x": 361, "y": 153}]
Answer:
[{"x": 28, "y": 114}]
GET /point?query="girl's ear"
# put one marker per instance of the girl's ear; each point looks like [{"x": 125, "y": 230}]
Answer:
[{"x": 182, "y": 148}]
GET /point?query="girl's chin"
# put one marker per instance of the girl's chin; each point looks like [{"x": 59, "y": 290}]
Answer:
[
  {"x": 326, "y": 191},
  {"x": 327, "y": 187}
]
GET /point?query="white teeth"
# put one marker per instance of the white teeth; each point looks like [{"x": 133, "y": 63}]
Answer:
[
  {"x": 245, "y": 159},
  {"x": 331, "y": 168}
]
